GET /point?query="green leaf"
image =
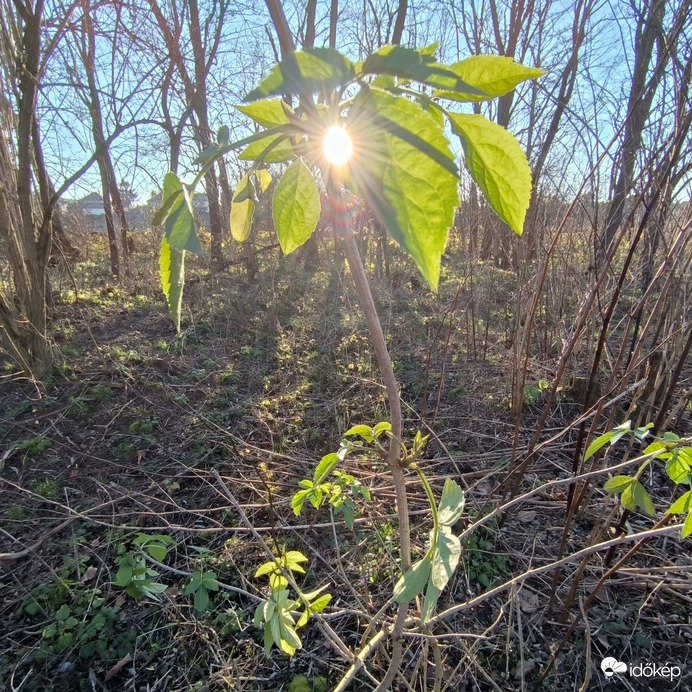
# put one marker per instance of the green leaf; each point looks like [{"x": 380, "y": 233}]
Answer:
[
  {"x": 157, "y": 551},
  {"x": 180, "y": 224},
  {"x": 617, "y": 484},
  {"x": 498, "y": 164},
  {"x": 325, "y": 467},
  {"x": 268, "y": 113},
  {"x": 682, "y": 505},
  {"x": 290, "y": 641},
  {"x": 172, "y": 272},
  {"x": 364, "y": 431},
  {"x": 201, "y": 599},
  {"x": 293, "y": 560},
  {"x": 209, "y": 581},
  {"x": 304, "y": 73},
  {"x": 679, "y": 470},
  {"x": 656, "y": 446},
  {"x": 634, "y": 496},
  {"x": 492, "y": 75},
  {"x": 413, "y": 581},
  {"x": 349, "y": 517},
  {"x": 283, "y": 151},
  {"x": 303, "y": 619},
  {"x": 451, "y": 503},
  {"x": 321, "y": 603},
  {"x": 63, "y": 612},
  {"x": 403, "y": 166},
  {"x": 268, "y": 639},
  {"x": 162, "y": 214},
  {"x": 124, "y": 576},
  {"x": 411, "y": 64},
  {"x": 445, "y": 558},
  {"x": 295, "y": 206},
  {"x": 687, "y": 526},
  {"x": 223, "y": 135},
  {"x": 432, "y": 594},
  {"x": 599, "y": 442},
  {"x": 266, "y": 568},
  {"x": 242, "y": 210},
  {"x": 382, "y": 427},
  {"x": 264, "y": 179},
  {"x": 298, "y": 500},
  {"x": 259, "y": 615}
]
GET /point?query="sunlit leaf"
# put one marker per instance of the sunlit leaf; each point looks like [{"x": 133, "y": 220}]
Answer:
[
  {"x": 266, "y": 568},
  {"x": 411, "y": 64},
  {"x": 264, "y": 179},
  {"x": 679, "y": 470},
  {"x": 364, "y": 431},
  {"x": 599, "y": 442},
  {"x": 268, "y": 113},
  {"x": 445, "y": 558},
  {"x": 498, "y": 164},
  {"x": 682, "y": 505},
  {"x": 413, "y": 581},
  {"x": 635, "y": 495},
  {"x": 283, "y": 151},
  {"x": 382, "y": 427},
  {"x": 172, "y": 272},
  {"x": 242, "y": 210},
  {"x": 687, "y": 526},
  {"x": 180, "y": 224},
  {"x": 403, "y": 166},
  {"x": 295, "y": 206},
  {"x": 325, "y": 467},
  {"x": 492, "y": 75},
  {"x": 451, "y": 503},
  {"x": 304, "y": 73},
  {"x": 617, "y": 484}
]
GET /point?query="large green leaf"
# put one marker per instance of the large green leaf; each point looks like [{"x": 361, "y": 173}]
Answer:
[
  {"x": 451, "y": 503},
  {"x": 498, "y": 164},
  {"x": 242, "y": 211},
  {"x": 268, "y": 113},
  {"x": 305, "y": 73},
  {"x": 413, "y": 581},
  {"x": 180, "y": 224},
  {"x": 172, "y": 266},
  {"x": 635, "y": 495},
  {"x": 295, "y": 206},
  {"x": 404, "y": 168},
  {"x": 445, "y": 558},
  {"x": 432, "y": 593},
  {"x": 408, "y": 63},
  {"x": 278, "y": 153},
  {"x": 492, "y": 75}
]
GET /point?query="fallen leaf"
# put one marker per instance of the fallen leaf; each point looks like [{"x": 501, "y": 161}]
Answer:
[
  {"x": 118, "y": 667},
  {"x": 90, "y": 573}
]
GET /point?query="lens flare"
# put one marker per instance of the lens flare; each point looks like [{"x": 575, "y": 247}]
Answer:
[{"x": 337, "y": 146}]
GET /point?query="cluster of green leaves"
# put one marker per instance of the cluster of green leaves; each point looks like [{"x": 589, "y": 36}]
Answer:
[
  {"x": 402, "y": 164},
  {"x": 78, "y": 618},
  {"x": 437, "y": 566},
  {"x": 201, "y": 583},
  {"x": 275, "y": 616},
  {"x": 135, "y": 574},
  {"x": 318, "y": 490},
  {"x": 677, "y": 454}
]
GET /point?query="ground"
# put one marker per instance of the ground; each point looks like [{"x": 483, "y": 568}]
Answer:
[{"x": 110, "y": 461}]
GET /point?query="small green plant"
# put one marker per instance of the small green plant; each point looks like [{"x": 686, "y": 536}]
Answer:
[
  {"x": 47, "y": 488},
  {"x": 135, "y": 574},
  {"x": 317, "y": 490},
  {"x": 275, "y": 616},
  {"x": 201, "y": 583},
  {"x": 677, "y": 454}
]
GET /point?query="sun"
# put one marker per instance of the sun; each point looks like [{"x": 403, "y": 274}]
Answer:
[{"x": 337, "y": 146}]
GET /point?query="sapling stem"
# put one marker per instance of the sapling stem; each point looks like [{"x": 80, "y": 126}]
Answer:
[{"x": 342, "y": 227}]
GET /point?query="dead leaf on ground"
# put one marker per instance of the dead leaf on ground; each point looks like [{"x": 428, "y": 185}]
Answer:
[
  {"x": 118, "y": 667},
  {"x": 90, "y": 573}
]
